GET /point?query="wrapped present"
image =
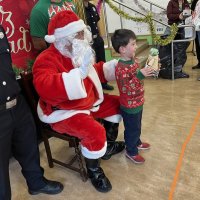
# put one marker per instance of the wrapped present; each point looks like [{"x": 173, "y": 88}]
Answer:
[{"x": 153, "y": 60}]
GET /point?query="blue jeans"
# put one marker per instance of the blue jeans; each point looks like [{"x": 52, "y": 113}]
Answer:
[{"x": 132, "y": 131}]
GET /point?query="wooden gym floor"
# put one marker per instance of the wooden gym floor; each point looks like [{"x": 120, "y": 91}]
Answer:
[{"x": 171, "y": 124}]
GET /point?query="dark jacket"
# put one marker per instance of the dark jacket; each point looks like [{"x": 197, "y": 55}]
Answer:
[
  {"x": 92, "y": 18},
  {"x": 173, "y": 11},
  {"x": 193, "y": 5},
  {"x": 9, "y": 87}
]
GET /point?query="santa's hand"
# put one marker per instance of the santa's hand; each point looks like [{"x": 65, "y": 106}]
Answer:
[{"x": 88, "y": 60}]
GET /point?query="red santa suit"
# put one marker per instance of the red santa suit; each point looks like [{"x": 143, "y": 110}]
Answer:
[{"x": 70, "y": 103}]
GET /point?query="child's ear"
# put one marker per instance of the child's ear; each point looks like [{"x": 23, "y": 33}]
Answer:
[{"x": 121, "y": 49}]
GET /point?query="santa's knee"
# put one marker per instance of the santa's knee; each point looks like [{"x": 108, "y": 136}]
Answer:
[{"x": 94, "y": 145}]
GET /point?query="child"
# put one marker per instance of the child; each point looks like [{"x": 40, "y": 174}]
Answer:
[{"x": 129, "y": 80}]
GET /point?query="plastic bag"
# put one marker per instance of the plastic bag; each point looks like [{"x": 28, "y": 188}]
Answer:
[{"x": 180, "y": 57}]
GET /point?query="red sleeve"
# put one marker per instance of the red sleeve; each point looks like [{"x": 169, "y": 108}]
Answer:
[{"x": 99, "y": 68}]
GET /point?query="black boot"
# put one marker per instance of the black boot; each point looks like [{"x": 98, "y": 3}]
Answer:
[
  {"x": 111, "y": 130},
  {"x": 97, "y": 176},
  {"x": 113, "y": 146}
]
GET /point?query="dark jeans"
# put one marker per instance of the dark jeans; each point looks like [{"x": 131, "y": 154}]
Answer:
[
  {"x": 98, "y": 46},
  {"x": 132, "y": 131},
  {"x": 18, "y": 137}
]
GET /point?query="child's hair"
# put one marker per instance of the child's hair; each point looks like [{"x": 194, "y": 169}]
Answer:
[{"x": 121, "y": 37}]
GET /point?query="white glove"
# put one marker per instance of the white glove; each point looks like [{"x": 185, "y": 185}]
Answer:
[{"x": 87, "y": 62}]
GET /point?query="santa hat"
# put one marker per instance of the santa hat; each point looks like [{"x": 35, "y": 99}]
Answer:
[{"x": 63, "y": 24}]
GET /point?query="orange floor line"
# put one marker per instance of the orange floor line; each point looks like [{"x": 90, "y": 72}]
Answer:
[{"x": 178, "y": 167}]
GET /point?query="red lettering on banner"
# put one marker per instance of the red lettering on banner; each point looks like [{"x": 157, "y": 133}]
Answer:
[
  {"x": 53, "y": 9},
  {"x": 21, "y": 43},
  {"x": 69, "y": 5}
]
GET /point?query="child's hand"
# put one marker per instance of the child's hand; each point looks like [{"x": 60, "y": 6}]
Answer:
[{"x": 147, "y": 71}]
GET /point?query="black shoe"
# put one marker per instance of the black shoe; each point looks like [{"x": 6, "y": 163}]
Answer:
[
  {"x": 99, "y": 180},
  {"x": 196, "y": 66},
  {"x": 113, "y": 148},
  {"x": 51, "y": 187},
  {"x": 181, "y": 75},
  {"x": 105, "y": 86}
]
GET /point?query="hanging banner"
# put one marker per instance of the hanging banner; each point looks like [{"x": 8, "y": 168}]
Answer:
[{"x": 14, "y": 16}]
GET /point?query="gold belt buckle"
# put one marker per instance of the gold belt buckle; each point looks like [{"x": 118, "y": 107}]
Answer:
[{"x": 11, "y": 103}]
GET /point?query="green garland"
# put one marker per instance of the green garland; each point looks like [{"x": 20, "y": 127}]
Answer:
[
  {"x": 19, "y": 70},
  {"x": 147, "y": 19}
]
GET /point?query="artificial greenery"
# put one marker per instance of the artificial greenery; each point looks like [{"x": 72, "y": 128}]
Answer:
[
  {"x": 18, "y": 70},
  {"x": 30, "y": 65},
  {"x": 149, "y": 20}
]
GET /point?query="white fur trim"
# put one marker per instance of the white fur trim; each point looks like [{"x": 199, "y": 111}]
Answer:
[
  {"x": 94, "y": 109},
  {"x": 75, "y": 89},
  {"x": 93, "y": 154},
  {"x": 109, "y": 70},
  {"x": 114, "y": 118},
  {"x": 95, "y": 79},
  {"x": 74, "y": 85},
  {"x": 69, "y": 29},
  {"x": 58, "y": 115},
  {"x": 50, "y": 38}
]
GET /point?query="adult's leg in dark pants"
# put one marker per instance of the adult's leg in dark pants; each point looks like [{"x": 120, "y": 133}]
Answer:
[
  {"x": 6, "y": 128},
  {"x": 98, "y": 47},
  {"x": 25, "y": 147}
]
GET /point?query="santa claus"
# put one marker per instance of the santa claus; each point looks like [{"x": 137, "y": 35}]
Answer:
[{"x": 71, "y": 97}]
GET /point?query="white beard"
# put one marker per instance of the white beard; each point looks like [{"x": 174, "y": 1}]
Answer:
[
  {"x": 78, "y": 51},
  {"x": 75, "y": 48},
  {"x": 61, "y": 46}
]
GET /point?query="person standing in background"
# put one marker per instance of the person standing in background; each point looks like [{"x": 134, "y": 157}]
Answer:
[
  {"x": 197, "y": 45},
  {"x": 40, "y": 16},
  {"x": 18, "y": 132},
  {"x": 175, "y": 10},
  {"x": 93, "y": 18}
]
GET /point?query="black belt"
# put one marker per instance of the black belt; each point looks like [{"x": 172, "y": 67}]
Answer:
[{"x": 9, "y": 104}]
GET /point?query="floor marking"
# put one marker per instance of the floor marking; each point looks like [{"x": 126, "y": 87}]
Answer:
[{"x": 178, "y": 167}]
